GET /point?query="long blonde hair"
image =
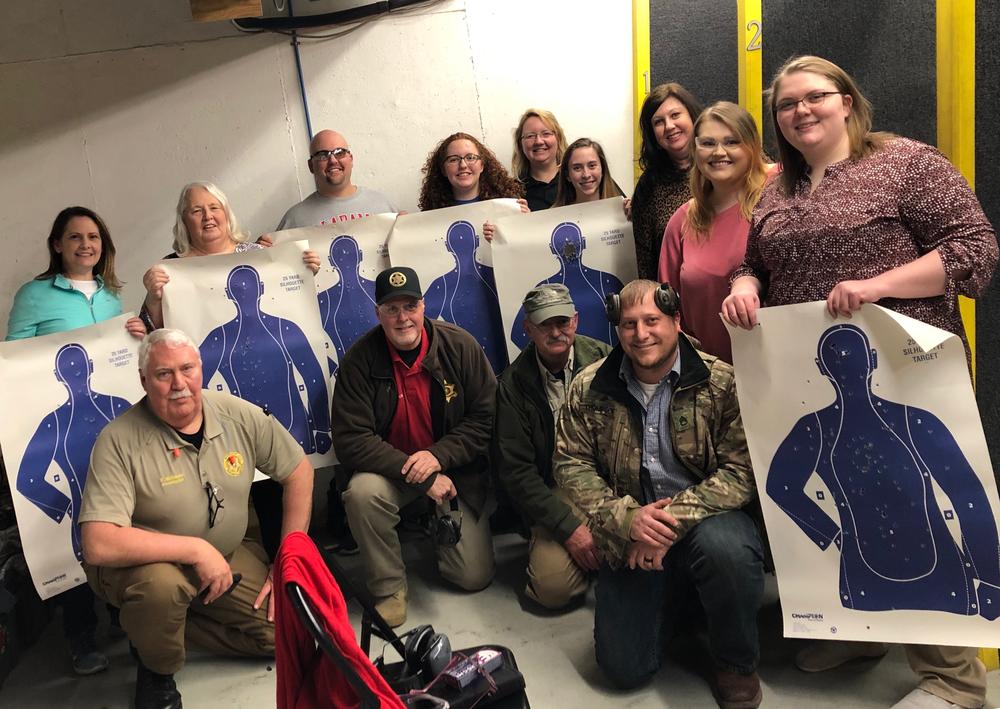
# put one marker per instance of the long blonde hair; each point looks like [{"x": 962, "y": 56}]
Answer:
[
  {"x": 700, "y": 215},
  {"x": 519, "y": 165},
  {"x": 863, "y": 141}
]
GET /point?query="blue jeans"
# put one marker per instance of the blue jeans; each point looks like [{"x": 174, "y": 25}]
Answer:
[{"x": 637, "y": 611}]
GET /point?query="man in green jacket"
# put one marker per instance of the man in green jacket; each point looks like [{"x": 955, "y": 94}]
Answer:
[
  {"x": 531, "y": 393},
  {"x": 650, "y": 445},
  {"x": 412, "y": 418}
]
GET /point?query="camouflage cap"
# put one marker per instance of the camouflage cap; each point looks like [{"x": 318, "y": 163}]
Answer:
[{"x": 549, "y": 300}]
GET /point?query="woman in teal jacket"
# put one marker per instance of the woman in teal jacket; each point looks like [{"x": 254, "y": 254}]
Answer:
[{"x": 79, "y": 288}]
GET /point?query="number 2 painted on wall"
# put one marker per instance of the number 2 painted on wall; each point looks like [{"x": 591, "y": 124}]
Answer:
[{"x": 755, "y": 27}]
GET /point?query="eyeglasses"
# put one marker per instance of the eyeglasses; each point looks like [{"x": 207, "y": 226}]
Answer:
[
  {"x": 214, "y": 503},
  {"x": 710, "y": 144},
  {"x": 545, "y": 135},
  {"x": 392, "y": 310},
  {"x": 326, "y": 155},
  {"x": 814, "y": 99},
  {"x": 453, "y": 160}
]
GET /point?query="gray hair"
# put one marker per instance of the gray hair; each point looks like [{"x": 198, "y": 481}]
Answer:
[
  {"x": 182, "y": 240},
  {"x": 173, "y": 338}
]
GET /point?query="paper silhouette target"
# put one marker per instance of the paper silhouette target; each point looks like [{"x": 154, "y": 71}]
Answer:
[
  {"x": 347, "y": 308},
  {"x": 878, "y": 458},
  {"x": 57, "y": 393},
  {"x": 588, "y": 287},
  {"x": 455, "y": 264},
  {"x": 883, "y": 475},
  {"x": 259, "y": 355},
  {"x": 353, "y": 254},
  {"x": 64, "y": 438},
  {"x": 587, "y": 247},
  {"x": 256, "y": 319}
]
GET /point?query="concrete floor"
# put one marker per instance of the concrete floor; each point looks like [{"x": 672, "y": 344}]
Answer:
[{"x": 555, "y": 653}]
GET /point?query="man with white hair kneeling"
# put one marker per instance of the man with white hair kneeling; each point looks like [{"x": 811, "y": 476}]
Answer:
[{"x": 165, "y": 511}]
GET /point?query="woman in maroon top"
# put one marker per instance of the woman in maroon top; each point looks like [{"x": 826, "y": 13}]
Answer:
[
  {"x": 856, "y": 216},
  {"x": 706, "y": 238},
  {"x": 862, "y": 217}
]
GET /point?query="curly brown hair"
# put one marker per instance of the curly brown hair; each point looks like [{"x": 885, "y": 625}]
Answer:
[{"x": 494, "y": 182}]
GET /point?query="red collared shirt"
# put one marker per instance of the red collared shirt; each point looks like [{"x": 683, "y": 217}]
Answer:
[{"x": 411, "y": 428}]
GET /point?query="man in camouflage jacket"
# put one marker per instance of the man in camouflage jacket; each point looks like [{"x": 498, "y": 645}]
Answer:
[{"x": 650, "y": 446}]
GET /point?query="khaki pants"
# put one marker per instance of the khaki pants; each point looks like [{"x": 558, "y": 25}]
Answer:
[
  {"x": 373, "y": 503},
  {"x": 160, "y": 610},
  {"x": 954, "y": 674},
  {"x": 554, "y": 579}
]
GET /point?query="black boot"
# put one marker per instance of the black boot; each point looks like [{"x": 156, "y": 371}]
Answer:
[{"x": 155, "y": 691}]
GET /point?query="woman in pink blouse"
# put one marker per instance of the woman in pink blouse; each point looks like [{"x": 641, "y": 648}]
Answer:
[
  {"x": 863, "y": 217},
  {"x": 706, "y": 238}
]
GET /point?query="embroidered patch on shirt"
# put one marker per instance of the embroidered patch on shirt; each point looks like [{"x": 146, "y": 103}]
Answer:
[
  {"x": 167, "y": 480},
  {"x": 233, "y": 464}
]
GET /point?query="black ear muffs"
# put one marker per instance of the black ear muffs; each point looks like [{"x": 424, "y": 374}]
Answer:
[
  {"x": 664, "y": 296},
  {"x": 426, "y": 653},
  {"x": 449, "y": 526}
]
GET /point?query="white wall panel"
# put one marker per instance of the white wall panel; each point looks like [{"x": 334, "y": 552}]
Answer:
[{"x": 115, "y": 104}]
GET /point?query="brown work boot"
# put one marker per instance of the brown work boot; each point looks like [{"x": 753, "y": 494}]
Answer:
[
  {"x": 393, "y": 608},
  {"x": 736, "y": 691}
]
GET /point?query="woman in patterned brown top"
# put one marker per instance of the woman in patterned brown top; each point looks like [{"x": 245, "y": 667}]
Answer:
[
  {"x": 862, "y": 217},
  {"x": 858, "y": 216},
  {"x": 666, "y": 123}
]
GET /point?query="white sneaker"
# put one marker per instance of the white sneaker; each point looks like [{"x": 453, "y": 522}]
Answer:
[
  {"x": 823, "y": 655},
  {"x": 919, "y": 699}
]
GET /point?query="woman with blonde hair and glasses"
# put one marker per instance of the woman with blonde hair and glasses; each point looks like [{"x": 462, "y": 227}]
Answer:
[
  {"x": 539, "y": 146},
  {"x": 863, "y": 217},
  {"x": 706, "y": 238}
]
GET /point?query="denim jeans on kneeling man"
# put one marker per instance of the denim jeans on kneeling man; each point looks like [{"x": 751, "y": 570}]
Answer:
[{"x": 637, "y": 611}]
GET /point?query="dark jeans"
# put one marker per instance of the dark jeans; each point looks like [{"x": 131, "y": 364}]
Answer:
[
  {"x": 637, "y": 611},
  {"x": 266, "y": 496},
  {"x": 78, "y": 614}
]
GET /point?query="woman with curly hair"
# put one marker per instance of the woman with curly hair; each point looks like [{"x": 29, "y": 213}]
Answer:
[
  {"x": 666, "y": 122},
  {"x": 539, "y": 145},
  {"x": 461, "y": 170},
  {"x": 584, "y": 175}
]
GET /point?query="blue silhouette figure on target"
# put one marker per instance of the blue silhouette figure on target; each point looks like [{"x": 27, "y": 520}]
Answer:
[
  {"x": 347, "y": 308},
  {"x": 588, "y": 286},
  {"x": 878, "y": 459},
  {"x": 258, "y": 354},
  {"x": 65, "y": 437},
  {"x": 467, "y": 295}
]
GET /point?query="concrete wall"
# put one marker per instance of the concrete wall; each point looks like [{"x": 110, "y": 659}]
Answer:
[{"x": 115, "y": 104}]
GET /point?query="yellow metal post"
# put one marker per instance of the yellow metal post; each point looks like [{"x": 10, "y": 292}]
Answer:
[
  {"x": 750, "y": 34},
  {"x": 640, "y": 70},
  {"x": 956, "y": 134},
  {"x": 956, "y": 107}
]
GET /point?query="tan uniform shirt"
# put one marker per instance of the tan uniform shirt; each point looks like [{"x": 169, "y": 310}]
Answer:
[{"x": 143, "y": 474}]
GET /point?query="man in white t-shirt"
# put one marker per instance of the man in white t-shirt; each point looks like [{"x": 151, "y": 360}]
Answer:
[{"x": 336, "y": 198}]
